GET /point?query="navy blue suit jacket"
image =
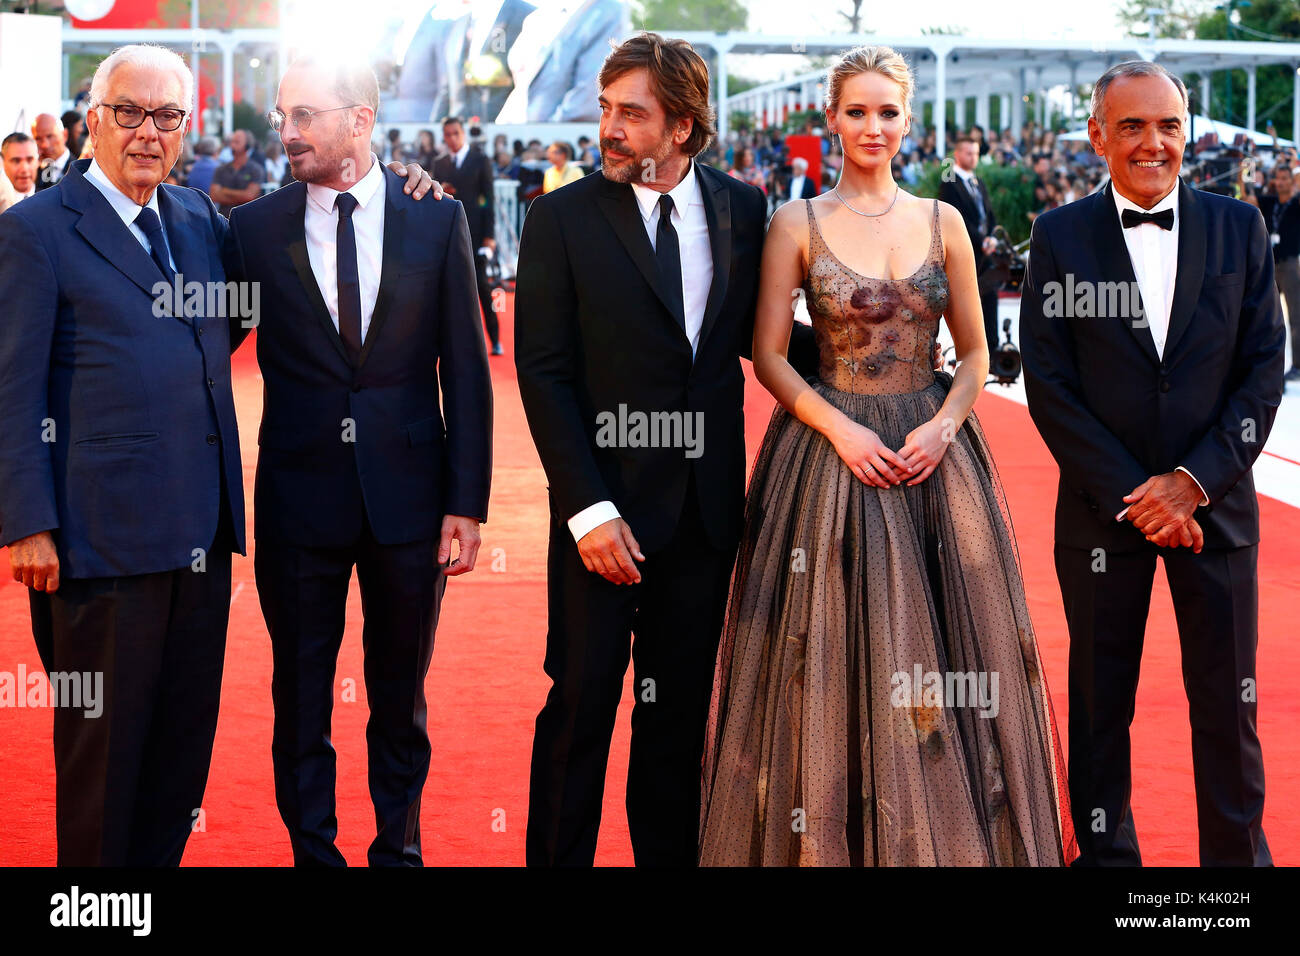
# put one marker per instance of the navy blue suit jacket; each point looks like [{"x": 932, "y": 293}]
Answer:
[
  {"x": 119, "y": 423},
  {"x": 411, "y": 458},
  {"x": 1113, "y": 411}
]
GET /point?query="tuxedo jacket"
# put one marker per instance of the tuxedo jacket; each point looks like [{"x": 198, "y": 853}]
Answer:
[
  {"x": 119, "y": 418},
  {"x": 1112, "y": 411},
  {"x": 955, "y": 193},
  {"x": 809, "y": 189},
  {"x": 412, "y": 458},
  {"x": 474, "y": 191},
  {"x": 43, "y": 182},
  {"x": 594, "y": 330}
]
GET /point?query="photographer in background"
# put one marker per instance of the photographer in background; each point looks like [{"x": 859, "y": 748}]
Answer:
[
  {"x": 964, "y": 191},
  {"x": 1280, "y": 208}
]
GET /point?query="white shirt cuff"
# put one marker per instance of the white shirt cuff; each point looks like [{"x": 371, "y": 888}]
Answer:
[
  {"x": 1120, "y": 516},
  {"x": 588, "y": 519},
  {"x": 1205, "y": 499}
]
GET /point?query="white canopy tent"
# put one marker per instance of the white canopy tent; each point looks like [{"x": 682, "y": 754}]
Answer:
[{"x": 961, "y": 67}]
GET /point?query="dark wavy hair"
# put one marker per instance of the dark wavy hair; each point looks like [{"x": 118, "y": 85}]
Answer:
[{"x": 679, "y": 80}]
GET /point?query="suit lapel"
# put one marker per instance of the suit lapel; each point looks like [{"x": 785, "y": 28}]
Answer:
[
  {"x": 1191, "y": 264},
  {"x": 717, "y": 211},
  {"x": 1112, "y": 256},
  {"x": 297, "y": 249},
  {"x": 618, "y": 203},
  {"x": 101, "y": 226},
  {"x": 394, "y": 229}
]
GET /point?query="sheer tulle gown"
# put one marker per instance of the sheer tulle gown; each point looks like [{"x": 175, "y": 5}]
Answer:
[{"x": 848, "y": 599}]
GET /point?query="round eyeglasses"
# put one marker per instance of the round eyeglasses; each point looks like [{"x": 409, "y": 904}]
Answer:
[
  {"x": 301, "y": 117},
  {"x": 165, "y": 120}
]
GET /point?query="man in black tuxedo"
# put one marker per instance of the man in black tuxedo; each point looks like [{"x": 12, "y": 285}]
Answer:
[
  {"x": 369, "y": 313},
  {"x": 52, "y": 141},
  {"x": 964, "y": 190},
  {"x": 636, "y": 293},
  {"x": 466, "y": 174},
  {"x": 1155, "y": 407}
]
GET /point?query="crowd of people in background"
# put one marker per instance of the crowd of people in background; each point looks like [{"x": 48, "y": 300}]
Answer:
[{"x": 241, "y": 166}]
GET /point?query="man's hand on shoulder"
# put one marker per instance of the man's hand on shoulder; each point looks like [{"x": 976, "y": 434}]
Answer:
[
  {"x": 418, "y": 182},
  {"x": 35, "y": 561}
]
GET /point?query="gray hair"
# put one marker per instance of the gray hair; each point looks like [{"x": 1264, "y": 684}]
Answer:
[
  {"x": 1132, "y": 68},
  {"x": 147, "y": 56},
  {"x": 354, "y": 81},
  {"x": 799, "y": 163},
  {"x": 207, "y": 146}
]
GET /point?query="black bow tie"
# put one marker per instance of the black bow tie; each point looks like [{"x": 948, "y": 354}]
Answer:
[{"x": 1131, "y": 217}]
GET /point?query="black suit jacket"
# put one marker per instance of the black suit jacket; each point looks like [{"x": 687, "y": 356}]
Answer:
[
  {"x": 1112, "y": 411},
  {"x": 42, "y": 182},
  {"x": 809, "y": 189},
  {"x": 412, "y": 459},
  {"x": 594, "y": 331},
  {"x": 955, "y": 193},
  {"x": 473, "y": 184}
]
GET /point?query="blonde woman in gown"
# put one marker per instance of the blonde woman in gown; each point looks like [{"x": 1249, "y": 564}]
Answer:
[{"x": 877, "y": 558}]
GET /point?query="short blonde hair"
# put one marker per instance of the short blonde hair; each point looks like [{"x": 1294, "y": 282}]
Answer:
[{"x": 884, "y": 60}]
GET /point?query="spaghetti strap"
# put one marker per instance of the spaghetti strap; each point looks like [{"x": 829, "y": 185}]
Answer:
[
  {"x": 936, "y": 238},
  {"x": 814, "y": 231}
]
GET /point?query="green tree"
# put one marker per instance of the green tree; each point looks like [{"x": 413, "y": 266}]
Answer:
[
  {"x": 711, "y": 15},
  {"x": 1206, "y": 20}
]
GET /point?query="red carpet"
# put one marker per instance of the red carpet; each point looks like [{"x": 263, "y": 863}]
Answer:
[{"x": 486, "y": 684}]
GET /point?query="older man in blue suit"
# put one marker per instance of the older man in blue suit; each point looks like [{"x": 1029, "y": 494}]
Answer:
[{"x": 121, "y": 491}]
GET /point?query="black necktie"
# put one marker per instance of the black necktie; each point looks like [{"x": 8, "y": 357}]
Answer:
[
  {"x": 1131, "y": 217},
  {"x": 974, "y": 186},
  {"x": 669, "y": 254},
  {"x": 151, "y": 225},
  {"x": 348, "y": 276}
]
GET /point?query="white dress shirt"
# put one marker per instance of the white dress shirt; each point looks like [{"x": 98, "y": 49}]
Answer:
[
  {"x": 56, "y": 166},
  {"x": 321, "y": 223},
  {"x": 458, "y": 157},
  {"x": 696, "y": 252},
  {"x": 127, "y": 209},
  {"x": 1154, "y": 254},
  {"x": 796, "y": 186}
]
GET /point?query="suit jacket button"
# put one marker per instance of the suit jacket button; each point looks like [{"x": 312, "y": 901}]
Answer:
[
  {"x": 1164, "y": 386},
  {"x": 212, "y": 439},
  {"x": 211, "y": 383}
]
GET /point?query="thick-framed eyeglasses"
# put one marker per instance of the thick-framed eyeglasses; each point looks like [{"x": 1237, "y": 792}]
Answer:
[
  {"x": 300, "y": 117},
  {"x": 165, "y": 120}
]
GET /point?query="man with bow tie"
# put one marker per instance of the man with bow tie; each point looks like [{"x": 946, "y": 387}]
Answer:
[{"x": 1155, "y": 418}]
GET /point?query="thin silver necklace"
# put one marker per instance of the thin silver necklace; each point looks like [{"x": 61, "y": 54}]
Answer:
[{"x": 870, "y": 215}]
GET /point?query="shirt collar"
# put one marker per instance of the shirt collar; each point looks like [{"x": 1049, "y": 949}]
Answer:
[
  {"x": 59, "y": 160},
  {"x": 967, "y": 175},
  {"x": 126, "y": 207},
  {"x": 461, "y": 153},
  {"x": 685, "y": 193},
  {"x": 363, "y": 189},
  {"x": 1123, "y": 202}
]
